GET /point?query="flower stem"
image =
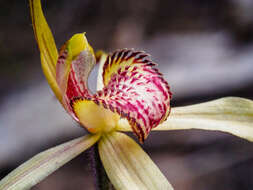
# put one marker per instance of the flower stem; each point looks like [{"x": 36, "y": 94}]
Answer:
[{"x": 101, "y": 179}]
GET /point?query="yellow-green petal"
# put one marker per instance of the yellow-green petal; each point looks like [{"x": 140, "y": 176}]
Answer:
[
  {"x": 128, "y": 166},
  {"x": 232, "y": 115},
  {"x": 43, "y": 164},
  {"x": 46, "y": 44}
]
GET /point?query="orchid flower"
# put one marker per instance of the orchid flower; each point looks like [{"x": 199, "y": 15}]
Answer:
[{"x": 131, "y": 96}]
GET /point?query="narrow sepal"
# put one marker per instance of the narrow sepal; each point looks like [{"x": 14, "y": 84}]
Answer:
[
  {"x": 128, "y": 166},
  {"x": 43, "y": 164},
  {"x": 231, "y": 115},
  {"x": 46, "y": 44}
]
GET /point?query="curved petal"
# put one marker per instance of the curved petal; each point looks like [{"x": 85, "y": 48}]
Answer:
[
  {"x": 46, "y": 44},
  {"x": 231, "y": 115},
  {"x": 43, "y": 164},
  {"x": 135, "y": 90},
  {"x": 75, "y": 62},
  {"x": 128, "y": 166}
]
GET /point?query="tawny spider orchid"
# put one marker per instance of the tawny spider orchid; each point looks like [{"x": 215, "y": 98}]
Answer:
[{"x": 131, "y": 96}]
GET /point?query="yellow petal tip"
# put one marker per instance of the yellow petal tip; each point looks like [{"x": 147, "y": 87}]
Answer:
[{"x": 78, "y": 43}]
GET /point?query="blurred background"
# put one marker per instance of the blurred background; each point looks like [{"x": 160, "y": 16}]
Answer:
[{"x": 203, "y": 48}]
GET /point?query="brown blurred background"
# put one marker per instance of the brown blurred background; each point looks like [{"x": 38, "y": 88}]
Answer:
[{"x": 204, "y": 48}]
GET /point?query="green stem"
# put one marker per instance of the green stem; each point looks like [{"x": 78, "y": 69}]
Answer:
[{"x": 101, "y": 180}]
